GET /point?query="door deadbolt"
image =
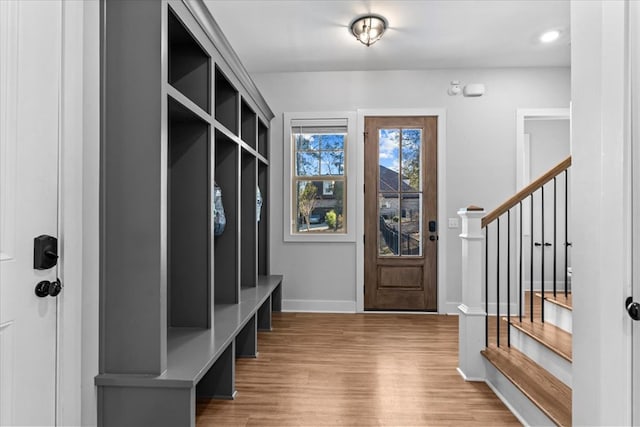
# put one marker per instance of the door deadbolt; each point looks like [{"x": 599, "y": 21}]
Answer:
[{"x": 45, "y": 252}]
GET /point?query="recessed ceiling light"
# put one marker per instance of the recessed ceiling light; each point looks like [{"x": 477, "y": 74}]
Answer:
[{"x": 550, "y": 36}]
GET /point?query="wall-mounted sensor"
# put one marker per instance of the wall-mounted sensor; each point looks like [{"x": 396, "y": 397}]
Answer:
[
  {"x": 470, "y": 90},
  {"x": 473, "y": 90},
  {"x": 454, "y": 89}
]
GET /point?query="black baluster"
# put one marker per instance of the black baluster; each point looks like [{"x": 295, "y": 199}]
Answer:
[
  {"x": 486, "y": 286},
  {"x": 566, "y": 231},
  {"x": 498, "y": 282},
  {"x": 509, "y": 278},
  {"x": 542, "y": 255},
  {"x": 520, "y": 271},
  {"x": 555, "y": 238},
  {"x": 531, "y": 264}
]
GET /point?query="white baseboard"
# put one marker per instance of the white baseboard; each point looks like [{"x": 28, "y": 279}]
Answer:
[
  {"x": 337, "y": 306},
  {"x": 470, "y": 379},
  {"x": 451, "y": 307},
  {"x": 318, "y": 306}
]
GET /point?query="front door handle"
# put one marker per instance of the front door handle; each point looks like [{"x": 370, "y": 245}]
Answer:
[
  {"x": 46, "y": 288},
  {"x": 633, "y": 308}
]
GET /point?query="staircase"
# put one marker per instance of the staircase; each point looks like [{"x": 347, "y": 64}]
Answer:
[
  {"x": 525, "y": 303},
  {"x": 537, "y": 365}
]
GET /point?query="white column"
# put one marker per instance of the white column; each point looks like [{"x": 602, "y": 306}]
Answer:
[{"x": 472, "y": 312}]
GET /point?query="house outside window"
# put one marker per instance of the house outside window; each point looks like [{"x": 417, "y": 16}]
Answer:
[{"x": 319, "y": 187}]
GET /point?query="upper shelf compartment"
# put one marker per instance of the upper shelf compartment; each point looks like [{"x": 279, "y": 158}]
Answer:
[
  {"x": 248, "y": 129},
  {"x": 189, "y": 65},
  {"x": 226, "y": 102},
  {"x": 263, "y": 139}
]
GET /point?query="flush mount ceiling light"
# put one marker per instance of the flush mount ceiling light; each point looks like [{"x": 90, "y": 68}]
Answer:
[
  {"x": 549, "y": 36},
  {"x": 368, "y": 29}
]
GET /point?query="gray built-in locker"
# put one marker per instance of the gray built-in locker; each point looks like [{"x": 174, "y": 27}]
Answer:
[{"x": 178, "y": 304}]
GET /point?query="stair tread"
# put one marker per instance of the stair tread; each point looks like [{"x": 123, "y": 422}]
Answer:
[
  {"x": 551, "y": 336},
  {"x": 543, "y": 389},
  {"x": 560, "y": 299}
]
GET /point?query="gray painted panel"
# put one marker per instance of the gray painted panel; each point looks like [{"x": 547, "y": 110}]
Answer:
[
  {"x": 263, "y": 139},
  {"x": 247, "y": 339},
  {"x": 188, "y": 237},
  {"x": 248, "y": 225},
  {"x": 226, "y": 102},
  {"x": 189, "y": 65},
  {"x": 263, "y": 225},
  {"x": 264, "y": 316},
  {"x": 226, "y": 245},
  {"x": 276, "y": 297},
  {"x": 139, "y": 407},
  {"x": 133, "y": 285},
  {"x": 220, "y": 380},
  {"x": 248, "y": 121}
]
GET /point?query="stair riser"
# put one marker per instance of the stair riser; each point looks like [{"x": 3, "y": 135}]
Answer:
[
  {"x": 558, "y": 316},
  {"x": 519, "y": 404},
  {"x": 552, "y": 362}
]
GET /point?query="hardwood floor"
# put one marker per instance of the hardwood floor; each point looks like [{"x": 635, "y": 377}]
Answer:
[{"x": 355, "y": 369}]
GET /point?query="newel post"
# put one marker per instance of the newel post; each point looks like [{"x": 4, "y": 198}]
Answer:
[{"x": 472, "y": 312}]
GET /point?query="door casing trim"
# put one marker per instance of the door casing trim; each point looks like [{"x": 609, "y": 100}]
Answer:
[
  {"x": 522, "y": 149},
  {"x": 440, "y": 113}
]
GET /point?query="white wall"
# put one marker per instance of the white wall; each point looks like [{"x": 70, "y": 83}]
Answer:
[
  {"x": 480, "y": 165},
  {"x": 549, "y": 141},
  {"x": 601, "y": 327},
  {"x": 549, "y": 145}
]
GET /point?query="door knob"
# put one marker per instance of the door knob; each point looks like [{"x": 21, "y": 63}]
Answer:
[
  {"x": 47, "y": 288},
  {"x": 633, "y": 308}
]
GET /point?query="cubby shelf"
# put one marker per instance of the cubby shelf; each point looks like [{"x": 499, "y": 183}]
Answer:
[
  {"x": 249, "y": 227},
  {"x": 188, "y": 64},
  {"x": 192, "y": 351},
  {"x": 178, "y": 304},
  {"x": 226, "y": 108},
  {"x": 189, "y": 222},
  {"x": 226, "y": 245},
  {"x": 248, "y": 125},
  {"x": 263, "y": 138}
]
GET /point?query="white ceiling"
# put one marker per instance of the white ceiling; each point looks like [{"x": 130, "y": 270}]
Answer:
[{"x": 314, "y": 35}]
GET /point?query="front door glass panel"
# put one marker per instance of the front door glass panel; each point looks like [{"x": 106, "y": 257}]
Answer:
[{"x": 400, "y": 192}]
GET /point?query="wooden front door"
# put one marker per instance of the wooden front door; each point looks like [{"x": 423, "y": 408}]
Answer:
[{"x": 401, "y": 239}]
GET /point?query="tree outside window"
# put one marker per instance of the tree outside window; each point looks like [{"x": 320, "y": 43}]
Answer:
[{"x": 319, "y": 180}]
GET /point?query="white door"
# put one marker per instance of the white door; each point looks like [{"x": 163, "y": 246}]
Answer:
[
  {"x": 634, "y": 29},
  {"x": 30, "y": 35}
]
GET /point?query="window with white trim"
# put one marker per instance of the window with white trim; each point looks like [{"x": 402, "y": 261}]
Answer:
[{"x": 318, "y": 150}]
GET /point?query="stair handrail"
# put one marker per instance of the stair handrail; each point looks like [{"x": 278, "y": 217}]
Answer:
[{"x": 526, "y": 191}]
